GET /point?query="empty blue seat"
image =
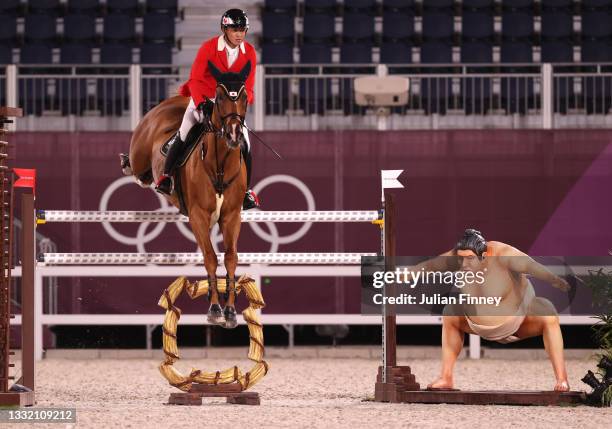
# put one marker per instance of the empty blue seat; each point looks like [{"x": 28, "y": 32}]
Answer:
[
  {"x": 478, "y": 4},
  {"x": 517, "y": 24},
  {"x": 79, "y": 27},
  {"x": 516, "y": 52},
  {"x": 596, "y": 4},
  {"x": 320, "y": 6},
  {"x": 277, "y": 27},
  {"x": 6, "y": 56},
  {"x": 517, "y": 94},
  {"x": 438, "y": 4},
  {"x": 397, "y": 26},
  {"x": 277, "y": 53},
  {"x": 557, "y": 24},
  {"x": 115, "y": 54},
  {"x": 118, "y": 28},
  {"x": 313, "y": 53},
  {"x": 281, "y": 6},
  {"x": 477, "y": 24},
  {"x": 158, "y": 28},
  {"x": 436, "y": 52},
  {"x": 318, "y": 26},
  {"x": 165, "y": 7},
  {"x": 593, "y": 51},
  {"x": 557, "y": 51},
  {"x": 360, "y": 5},
  {"x": 84, "y": 7},
  {"x": 36, "y": 53},
  {"x": 40, "y": 28},
  {"x": 75, "y": 53},
  {"x": 277, "y": 95},
  {"x": 48, "y": 7},
  {"x": 436, "y": 94},
  {"x": 396, "y": 53},
  {"x": 405, "y": 6},
  {"x": 8, "y": 30},
  {"x": 596, "y": 24},
  {"x": 10, "y": 7},
  {"x": 476, "y": 95},
  {"x": 156, "y": 53},
  {"x": 315, "y": 95},
  {"x": 129, "y": 7},
  {"x": 557, "y": 4},
  {"x": 356, "y": 53},
  {"x": 438, "y": 25},
  {"x": 357, "y": 26},
  {"x": 517, "y": 4},
  {"x": 477, "y": 51},
  {"x": 597, "y": 91}
]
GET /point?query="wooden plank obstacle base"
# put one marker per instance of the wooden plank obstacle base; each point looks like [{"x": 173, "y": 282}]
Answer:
[
  {"x": 397, "y": 384},
  {"x": 232, "y": 393},
  {"x": 402, "y": 387}
]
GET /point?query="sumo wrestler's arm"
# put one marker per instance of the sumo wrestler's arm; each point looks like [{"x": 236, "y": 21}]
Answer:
[{"x": 520, "y": 262}]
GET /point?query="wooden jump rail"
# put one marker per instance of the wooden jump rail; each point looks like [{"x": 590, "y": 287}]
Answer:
[
  {"x": 398, "y": 384},
  {"x": 21, "y": 393}
]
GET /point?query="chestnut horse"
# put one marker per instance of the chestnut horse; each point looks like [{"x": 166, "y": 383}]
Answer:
[{"x": 214, "y": 171}]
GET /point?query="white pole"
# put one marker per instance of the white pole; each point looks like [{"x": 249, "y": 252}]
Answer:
[{"x": 135, "y": 95}]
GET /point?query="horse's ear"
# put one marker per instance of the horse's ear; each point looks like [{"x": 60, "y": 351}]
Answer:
[
  {"x": 214, "y": 71},
  {"x": 246, "y": 70}
]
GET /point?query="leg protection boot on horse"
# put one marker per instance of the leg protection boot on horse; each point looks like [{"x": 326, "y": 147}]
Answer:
[
  {"x": 251, "y": 200},
  {"x": 164, "y": 184},
  {"x": 215, "y": 313},
  {"x": 229, "y": 312}
]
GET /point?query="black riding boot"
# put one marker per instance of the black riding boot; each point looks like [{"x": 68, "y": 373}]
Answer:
[
  {"x": 251, "y": 201},
  {"x": 164, "y": 184}
]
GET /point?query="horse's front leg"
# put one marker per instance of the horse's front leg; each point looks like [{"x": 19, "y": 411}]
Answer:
[
  {"x": 230, "y": 226},
  {"x": 200, "y": 222}
]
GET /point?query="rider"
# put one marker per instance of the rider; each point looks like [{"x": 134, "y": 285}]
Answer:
[{"x": 228, "y": 52}]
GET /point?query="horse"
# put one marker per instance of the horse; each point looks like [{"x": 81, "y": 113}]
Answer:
[{"x": 213, "y": 181}]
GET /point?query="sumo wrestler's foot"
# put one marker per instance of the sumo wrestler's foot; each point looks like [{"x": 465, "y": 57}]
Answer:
[
  {"x": 441, "y": 383},
  {"x": 562, "y": 386}
]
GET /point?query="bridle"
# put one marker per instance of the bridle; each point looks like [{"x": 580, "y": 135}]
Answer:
[
  {"x": 233, "y": 96},
  {"x": 218, "y": 180}
]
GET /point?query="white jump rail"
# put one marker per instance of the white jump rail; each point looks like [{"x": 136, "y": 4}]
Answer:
[
  {"x": 197, "y": 258},
  {"x": 46, "y": 216}
]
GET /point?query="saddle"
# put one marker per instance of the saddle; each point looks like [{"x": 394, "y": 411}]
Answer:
[{"x": 191, "y": 142}]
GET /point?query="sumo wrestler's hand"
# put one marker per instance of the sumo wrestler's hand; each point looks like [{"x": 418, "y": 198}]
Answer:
[{"x": 561, "y": 284}]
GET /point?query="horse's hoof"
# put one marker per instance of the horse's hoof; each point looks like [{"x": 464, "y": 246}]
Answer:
[
  {"x": 215, "y": 315},
  {"x": 230, "y": 317}
]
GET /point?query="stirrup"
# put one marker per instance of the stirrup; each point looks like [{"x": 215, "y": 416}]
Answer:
[
  {"x": 251, "y": 200},
  {"x": 164, "y": 185}
]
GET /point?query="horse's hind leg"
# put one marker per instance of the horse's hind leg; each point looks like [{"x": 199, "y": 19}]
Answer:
[
  {"x": 200, "y": 221},
  {"x": 230, "y": 227}
]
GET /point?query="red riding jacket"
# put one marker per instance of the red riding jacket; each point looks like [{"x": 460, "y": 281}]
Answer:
[{"x": 201, "y": 82}]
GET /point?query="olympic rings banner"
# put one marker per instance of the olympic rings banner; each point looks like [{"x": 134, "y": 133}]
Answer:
[{"x": 542, "y": 191}]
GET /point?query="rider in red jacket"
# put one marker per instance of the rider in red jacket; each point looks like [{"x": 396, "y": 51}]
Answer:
[{"x": 229, "y": 53}]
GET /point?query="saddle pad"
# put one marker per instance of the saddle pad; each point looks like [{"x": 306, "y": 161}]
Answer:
[{"x": 191, "y": 142}]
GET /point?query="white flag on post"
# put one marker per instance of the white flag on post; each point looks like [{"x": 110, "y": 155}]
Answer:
[{"x": 389, "y": 180}]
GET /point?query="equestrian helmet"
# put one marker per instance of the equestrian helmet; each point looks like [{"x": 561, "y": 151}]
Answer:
[{"x": 235, "y": 18}]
